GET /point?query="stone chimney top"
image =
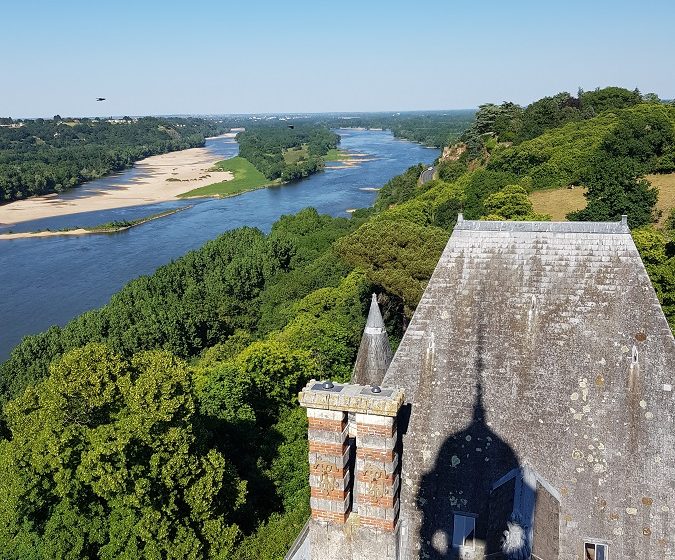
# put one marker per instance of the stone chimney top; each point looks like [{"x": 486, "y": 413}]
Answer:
[{"x": 360, "y": 399}]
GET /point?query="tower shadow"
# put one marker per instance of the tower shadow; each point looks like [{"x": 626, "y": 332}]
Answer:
[
  {"x": 478, "y": 501},
  {"x": 454, "y": 497}
]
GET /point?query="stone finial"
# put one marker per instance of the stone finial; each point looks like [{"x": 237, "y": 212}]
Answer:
[{"x": 375, "y": 323}]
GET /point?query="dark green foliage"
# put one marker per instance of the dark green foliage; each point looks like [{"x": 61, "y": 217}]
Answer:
[
  {"x": 613, "y": 175},
  {"x": 547, "y": 113},
  {"x": 609, "y": 98},
  {"x": 400, "y": 188},
  {"x": 670, "y": 223},
  {"x": 45, "y": 156},
  {"x": 641, "y": 136},
  {"x": 658, "y": 254},
  {"x": 119, "y": 456},
  {"x": 450, "y": 171},
  {"x": 513, "y": 124},
  {"x": 511, "y": 203},
  {"x": 562, "y": 156},
  {"x": 397, "y": 255},
  {"x": 614, "y": 189},
  {"x": 482, "y": 183}
]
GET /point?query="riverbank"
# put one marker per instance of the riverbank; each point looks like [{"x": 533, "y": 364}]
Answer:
[
  {"x": 243, "y": 177},
  {"x": 54, "y": 279},
  {"x": 111, "y": 227},
  {"x": 160, "y": 179}
]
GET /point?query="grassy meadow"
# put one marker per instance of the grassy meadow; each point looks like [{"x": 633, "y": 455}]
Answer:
[
  {"x": 557, "y": 203},
  {"x": 335, "y": 154},
  {"x": 666, "y": 185},
  {"x": 246, "y": 178},
  {"x": 294, "y": 155}
]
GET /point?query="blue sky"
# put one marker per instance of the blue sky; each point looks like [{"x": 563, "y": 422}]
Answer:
[{"x": 203, "y": 56}]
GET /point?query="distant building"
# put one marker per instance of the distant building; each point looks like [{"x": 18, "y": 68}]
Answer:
[{"x": 528, "y": 412}]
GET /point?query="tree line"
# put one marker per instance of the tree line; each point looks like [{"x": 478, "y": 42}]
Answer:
[{"x": 43, "y": 156}]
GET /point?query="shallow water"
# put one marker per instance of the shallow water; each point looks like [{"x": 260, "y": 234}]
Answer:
[{"x": 49, "y": 281}]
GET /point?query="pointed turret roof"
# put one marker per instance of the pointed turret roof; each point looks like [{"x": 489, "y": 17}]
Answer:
[{"x": 375, "y": 353}]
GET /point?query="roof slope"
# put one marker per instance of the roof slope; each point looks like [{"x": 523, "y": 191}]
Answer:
[{"x": 542, "y": 344}]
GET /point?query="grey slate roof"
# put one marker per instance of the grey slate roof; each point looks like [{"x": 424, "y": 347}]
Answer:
[
  {"x": 540, "y": 344},
  {"x": 375, "y": 353}
]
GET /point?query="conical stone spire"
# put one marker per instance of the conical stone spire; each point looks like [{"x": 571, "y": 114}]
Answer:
[{"x": 375, "y": 353}]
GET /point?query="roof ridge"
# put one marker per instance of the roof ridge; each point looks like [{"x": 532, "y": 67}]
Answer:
[{"x": 620, "y": 227}]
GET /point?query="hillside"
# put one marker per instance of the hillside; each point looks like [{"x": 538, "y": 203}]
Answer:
[{"x": 560, "y": 156}]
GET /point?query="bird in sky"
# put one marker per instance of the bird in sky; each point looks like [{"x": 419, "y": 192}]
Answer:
[{"x": 100, "y": 99}]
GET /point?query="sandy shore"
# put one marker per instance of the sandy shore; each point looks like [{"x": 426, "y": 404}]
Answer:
[
  {"x": 164, "y": 178},
  {"x": 25, "y": 235},
  {"x": 84, "y": 231}
]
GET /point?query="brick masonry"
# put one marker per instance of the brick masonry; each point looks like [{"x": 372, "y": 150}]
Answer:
[
  {"x": 329, "y": 476},
  {"x": 335, "y": 533}
]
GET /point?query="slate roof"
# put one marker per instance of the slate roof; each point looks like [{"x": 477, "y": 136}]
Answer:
[{"x": 540, "y": 344}]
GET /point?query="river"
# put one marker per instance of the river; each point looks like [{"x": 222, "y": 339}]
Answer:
[{"x": 49, "y": 281}]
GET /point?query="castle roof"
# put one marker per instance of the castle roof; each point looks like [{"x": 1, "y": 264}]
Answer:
[{"x": 539, "y": 344}]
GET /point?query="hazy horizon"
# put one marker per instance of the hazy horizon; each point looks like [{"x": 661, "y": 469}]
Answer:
[{"x": 210, "y": 58}]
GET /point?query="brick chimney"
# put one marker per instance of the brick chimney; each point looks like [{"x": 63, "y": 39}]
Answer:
[{"x": 344, "y": 472}]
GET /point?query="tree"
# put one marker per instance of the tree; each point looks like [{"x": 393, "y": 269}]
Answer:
[
  {"x": 610, "y": 98},
  {"x": 641, "y": 136},
  {"x": 106, "y": 460},
  {"x": 511, "y": 203},
  {"x": 615, "y": 188},
  {"x": 399, "y": 256}
]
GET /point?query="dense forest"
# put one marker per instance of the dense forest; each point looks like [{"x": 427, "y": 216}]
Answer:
[
  {"x": 165, "y": 424},
  {"x": 43, "y": 156},
  {"x": 265, "y": 147}
]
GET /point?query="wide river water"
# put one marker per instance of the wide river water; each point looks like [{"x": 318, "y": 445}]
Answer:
[{"x": 49, "y": 281}]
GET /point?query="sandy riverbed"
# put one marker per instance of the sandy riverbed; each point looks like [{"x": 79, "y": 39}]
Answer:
[{"x": 187, "y": 169}]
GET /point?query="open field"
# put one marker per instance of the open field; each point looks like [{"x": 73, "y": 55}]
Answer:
[
  {"x": 336, "y": 154},
  {"x": 666, "y": 202},
  {"x": 294, "y": 155},
  {"x": 558, "y": 202},
  {"x": 246, "y": 178}
]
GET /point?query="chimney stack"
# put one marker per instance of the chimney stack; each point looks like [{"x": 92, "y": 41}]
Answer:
[{"x": 336, "y": 532}]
